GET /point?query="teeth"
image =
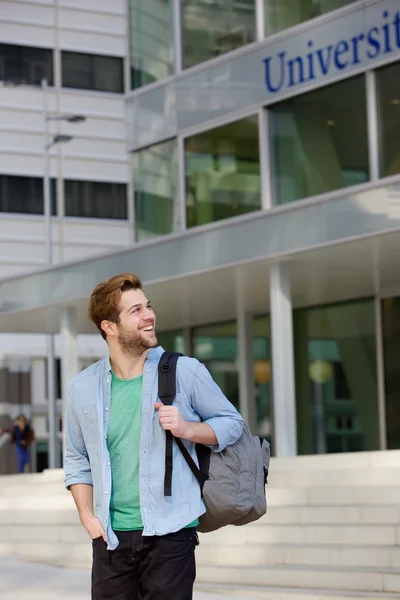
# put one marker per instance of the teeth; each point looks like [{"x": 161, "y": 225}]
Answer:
[{"x": 147, "y": 328}]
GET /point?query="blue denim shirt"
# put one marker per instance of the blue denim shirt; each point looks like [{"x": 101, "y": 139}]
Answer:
[{"x": 87, "y": 459}]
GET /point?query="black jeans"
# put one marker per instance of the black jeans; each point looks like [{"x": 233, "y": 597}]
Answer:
[{"x": 145, "y": 567}]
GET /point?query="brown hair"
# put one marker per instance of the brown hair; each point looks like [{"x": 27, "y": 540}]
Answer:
[{"x": 106, "y": 296}]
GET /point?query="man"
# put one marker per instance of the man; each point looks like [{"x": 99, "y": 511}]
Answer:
[{"x": 143, "y": 541}]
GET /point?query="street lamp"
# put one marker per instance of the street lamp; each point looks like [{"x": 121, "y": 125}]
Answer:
[{"x": 53, "y": 453}]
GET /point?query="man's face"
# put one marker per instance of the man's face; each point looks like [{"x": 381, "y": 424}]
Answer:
[{"x": 136, "y": 330}]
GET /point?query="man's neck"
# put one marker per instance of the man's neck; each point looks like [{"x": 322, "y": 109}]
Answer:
[{"x": 125, "y": 366}]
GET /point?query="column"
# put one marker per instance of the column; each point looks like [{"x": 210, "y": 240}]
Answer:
[
  {"x": 69, "y": 355},
  {"x": 283, "y": 361}
]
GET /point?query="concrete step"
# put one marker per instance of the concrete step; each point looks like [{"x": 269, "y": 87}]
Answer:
[
  {"x": 40, "y": 516},
  {"x": 305, "y": 515},
  {"x": 386, "y": 557},
  {"x": 269, "y": 534},
  {"x": 361, "y": 580},
  {"x": 214, "y": 592},
  {"x": 344, "y": 477},
  {"x": 334, "y": 496},
  {"x": 335, "y": 462},
  {"x": 11, "y": 489}
]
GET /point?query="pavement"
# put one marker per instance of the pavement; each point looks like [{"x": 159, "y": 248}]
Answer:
[{"x": 21, "y": 580}]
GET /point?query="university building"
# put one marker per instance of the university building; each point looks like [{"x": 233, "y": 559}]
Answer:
[{"x": 243, "y": 158}]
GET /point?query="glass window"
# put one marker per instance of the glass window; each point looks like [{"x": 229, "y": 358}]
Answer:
[
  {"x": 157, "y": 209},
  {"x": 391, "y": 350},
  {"x": 216, "y": 347},
  {"x": 92, "y": 72},
  {"x": 151, "y": 41},
  {"x": 222, "y": 172},
  {"x": 25, "y": 195},
  {"x": 336, "y": 380},
  {"x": 389, "y": 107},
  {"x": 25, "y": 65},
  {"x": 213, "y": 27},
  {"x": 95, "y": 199},
  {"x": 320, "y": 141},
  {"x": 281, "y": 14},
  {"x": 172, "y": 341},
  {"x": 262, "y": 377}
]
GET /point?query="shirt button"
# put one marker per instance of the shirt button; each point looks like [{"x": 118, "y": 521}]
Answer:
[
  {"x": 85, "y": 412},
  {"x": 106, "y": 492},
  {"x": 105, "y": 520},
  {"x": 106, "y": 408},
  {"x": 109, "y": 464}
]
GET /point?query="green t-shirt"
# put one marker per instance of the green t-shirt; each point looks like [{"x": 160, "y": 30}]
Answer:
[{"x": 123, "y": 440}]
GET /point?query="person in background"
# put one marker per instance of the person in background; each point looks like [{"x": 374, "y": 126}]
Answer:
[{"x": 22, "y": 436}]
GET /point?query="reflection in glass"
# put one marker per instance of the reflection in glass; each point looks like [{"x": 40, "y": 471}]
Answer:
[
  {"x": 281, "y": 14},
  {"x": 216, "y": 347},
  {"x": 151, "y": 41},
  {"x": 391, "y": 349},
  {"x": 172, "y": 341},
  {"x": 262, "y": 377},
  {"x": 222, "y": 172},
  {"x": 389, "y": 111},
  {"x": 213, "y": 27},
  {"x": 92, "y": 72},
  {"x": 156, "y": 191},
  {"x": 320, "y": 141},
  {"x": 336, "y": 380},
  {"x": 95, "y": 199},
  {"x": 24, "y": 65}
]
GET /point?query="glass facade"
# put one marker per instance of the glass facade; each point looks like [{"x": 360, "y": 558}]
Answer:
[
  {"x": 222, "y": 172},
  {"x": 389, "y": 116},
  {"x": 320, "y": 141},
  {"x": 336, "y": 378},
  {"x": 216, "y": 347},
  {"x": 262, "y": 377},
  {"x": 151, "y": 41},
  {"x": 157, "y": 209},
  {"x": 281, "y": 14},
  {"x": 212, "y": 27},
  {"x": 391, "y": 350}
]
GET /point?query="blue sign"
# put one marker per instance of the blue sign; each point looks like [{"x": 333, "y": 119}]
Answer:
[{"x": 284, "y": 71}]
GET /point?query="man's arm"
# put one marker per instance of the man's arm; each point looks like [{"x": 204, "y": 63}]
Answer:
[
  {"x": 222, "y": 424},
  {"x": 78, "y": 475},
  {"x": 83, "y": 497},
  {"x": 200, "y": 433}
]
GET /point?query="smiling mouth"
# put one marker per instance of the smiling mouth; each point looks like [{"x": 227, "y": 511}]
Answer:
[{"x": 149, "y": 328}]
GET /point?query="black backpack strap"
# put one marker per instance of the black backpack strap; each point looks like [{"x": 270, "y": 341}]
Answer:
[{"x": 167, "y": 393}]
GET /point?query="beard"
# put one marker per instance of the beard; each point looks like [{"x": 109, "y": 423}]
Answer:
[{"x": 133, "y": 343}]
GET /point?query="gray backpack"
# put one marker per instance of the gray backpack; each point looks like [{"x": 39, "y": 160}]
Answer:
[{"x": 233, "y": 481}]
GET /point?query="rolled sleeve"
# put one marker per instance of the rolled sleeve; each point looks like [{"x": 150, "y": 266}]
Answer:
[
  {"x": 215, "y": 409},
  {"x": 76, "y": 461}
]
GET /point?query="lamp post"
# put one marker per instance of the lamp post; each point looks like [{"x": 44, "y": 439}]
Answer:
[{"x": 53, "y": 450}]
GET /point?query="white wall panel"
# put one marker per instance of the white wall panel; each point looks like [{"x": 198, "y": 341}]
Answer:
[
  {"x": 115, "y": 7},
  {"x": 27, "y": 35},
  {"x": 96, "y": 104},
  {"x": 96, "y": 170},
  {"x": 91, "y": 42},
  {"x": 88, "y": 231},
  {"x": 90, "y": 21},
  {"x": 27, "y": 13}
]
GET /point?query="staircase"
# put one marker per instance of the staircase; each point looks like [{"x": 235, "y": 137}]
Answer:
[{"x": 332, "y": 531}]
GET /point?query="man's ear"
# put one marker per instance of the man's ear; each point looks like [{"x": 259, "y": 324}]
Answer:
[{"x": 108, "y": 327}]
